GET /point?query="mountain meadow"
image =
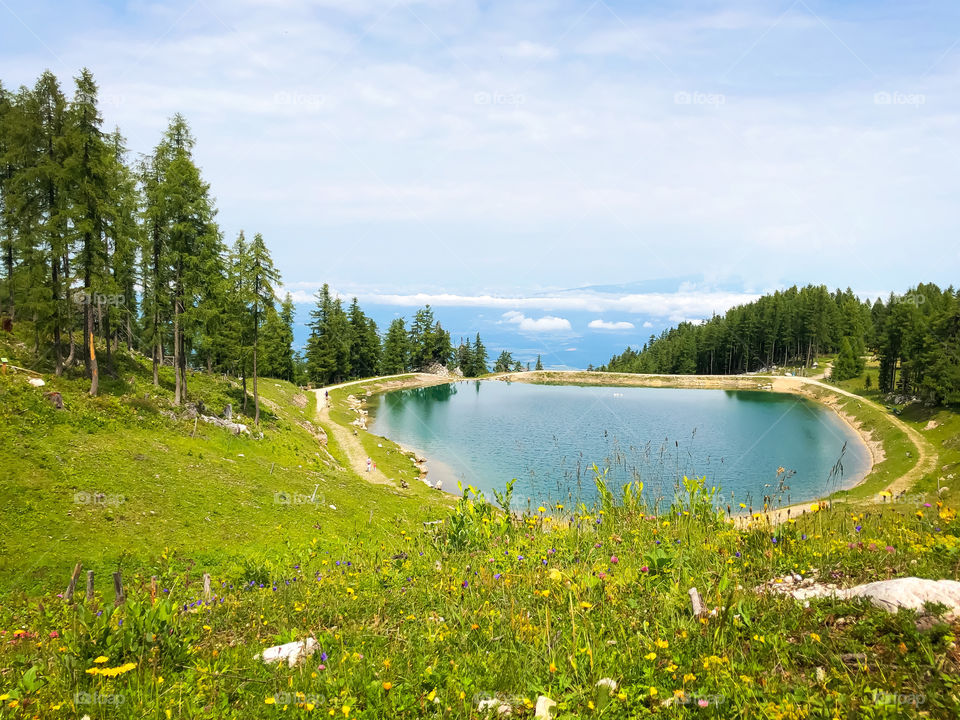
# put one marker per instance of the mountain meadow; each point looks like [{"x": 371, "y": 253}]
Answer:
[{"x": 182, "y": 490}]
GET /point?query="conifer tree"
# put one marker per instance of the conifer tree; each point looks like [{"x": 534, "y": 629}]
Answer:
[
  {"x": 396, "y": 354},
  {"x": 263, "y": 278}
]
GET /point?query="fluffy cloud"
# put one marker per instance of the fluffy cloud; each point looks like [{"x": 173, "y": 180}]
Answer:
[
  {"x": 673, "y": 306},
  {"x": 599, "y": 324},
  {"x": 547, "y": 323}
]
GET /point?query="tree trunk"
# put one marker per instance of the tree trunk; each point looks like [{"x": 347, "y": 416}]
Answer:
[
  {"x": 244, "y": 390},
  {"x": 92, "y": 359},
  {"x": 157, "y": 350},
  {"x": 57, "y": 349},
  {"x": 8, "y": 261},
  {"x": 109, "y": 337},
  {"x": 73, "y": 346},
  {"x": 256, "y": 396},
  {"x": 176, "y": 351}
]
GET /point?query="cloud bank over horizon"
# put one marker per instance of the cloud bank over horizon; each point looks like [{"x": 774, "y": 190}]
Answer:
[{"x": 479, "y": 156}]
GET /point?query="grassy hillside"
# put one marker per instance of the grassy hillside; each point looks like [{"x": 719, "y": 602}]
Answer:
[
  {"x": 195, "y": 491},
  {"x": 416, "y": 620}
]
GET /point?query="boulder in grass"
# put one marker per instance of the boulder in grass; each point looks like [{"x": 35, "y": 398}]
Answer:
[
  {"x": 911, "y": 593},
  {"x": 292, "y": 652},
  {"x": 891, "y": 595},
  {"x": 36, "y": 382}
]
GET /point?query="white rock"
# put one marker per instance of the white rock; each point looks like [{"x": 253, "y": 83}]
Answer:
[
  {"x": 544, "y": 706},
  {"x": 608, "y": 683},
  {"x": 912, "y": 593},
  {"x": 292, "y": 652},
  {"x": 36, "y": 382},
  {"x": 891, "y": 595}
]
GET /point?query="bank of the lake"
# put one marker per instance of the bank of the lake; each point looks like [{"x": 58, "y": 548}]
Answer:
[{"x": 898, "y": 455}]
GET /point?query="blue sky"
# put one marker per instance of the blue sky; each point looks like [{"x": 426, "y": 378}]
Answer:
[{"x": 555, "y": 174}]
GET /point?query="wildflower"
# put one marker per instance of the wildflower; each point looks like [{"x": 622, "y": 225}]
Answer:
[
  {"x": 814, "y": 637},
  {"x": 553, "y": 668},
  {"x": 653, "y": 691},
  {"x": 662, "y": 644},
  {"x": 555, "y": 575},
  {"x": 644, "y": 569},
  {"x": 689, "y": 678},
  {"x": 586, "y": 605},
  {"x": 387, "y": 685},
  {"x": 614, "y": 559},
  {"x": 270, "y": 700},
  {"x": 100, "y": 660},
  {"x": 541, "y": 509},
  {"x": 650, "y": 656},
  {"x": 431, "y": 696}
]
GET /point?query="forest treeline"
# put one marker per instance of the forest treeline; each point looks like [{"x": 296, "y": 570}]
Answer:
[
  {"x": 101, "y": 252},
  {"x": 915, "y": 336}
]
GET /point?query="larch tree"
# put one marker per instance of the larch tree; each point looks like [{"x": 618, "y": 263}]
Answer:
[{"x": 263, "y": 278}]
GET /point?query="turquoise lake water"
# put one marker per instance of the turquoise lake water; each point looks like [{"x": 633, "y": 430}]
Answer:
[{"x": 548, "y": 437}]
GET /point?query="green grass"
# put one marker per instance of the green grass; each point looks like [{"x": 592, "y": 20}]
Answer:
[
  {"x": 210, "y": 497},
  {"x": 419, "y": 620},
  {"x": 427, "y": 621}
]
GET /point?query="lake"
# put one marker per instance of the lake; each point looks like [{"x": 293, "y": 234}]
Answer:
[{"x": 548, "y": 437}]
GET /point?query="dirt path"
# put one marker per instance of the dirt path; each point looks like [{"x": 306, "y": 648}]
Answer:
[
  {"x": 347, "y": 438},
  {"x": 926, "y": 454}
]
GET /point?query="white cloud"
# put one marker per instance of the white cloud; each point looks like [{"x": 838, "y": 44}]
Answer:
[
  {"x": 647, "y": 324},
  {"x": 547, "y": 323},
  {"x": 599, "y": 324},
  {"x": 358, "y": 126},
  {"x": 673, "y": 306}
]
